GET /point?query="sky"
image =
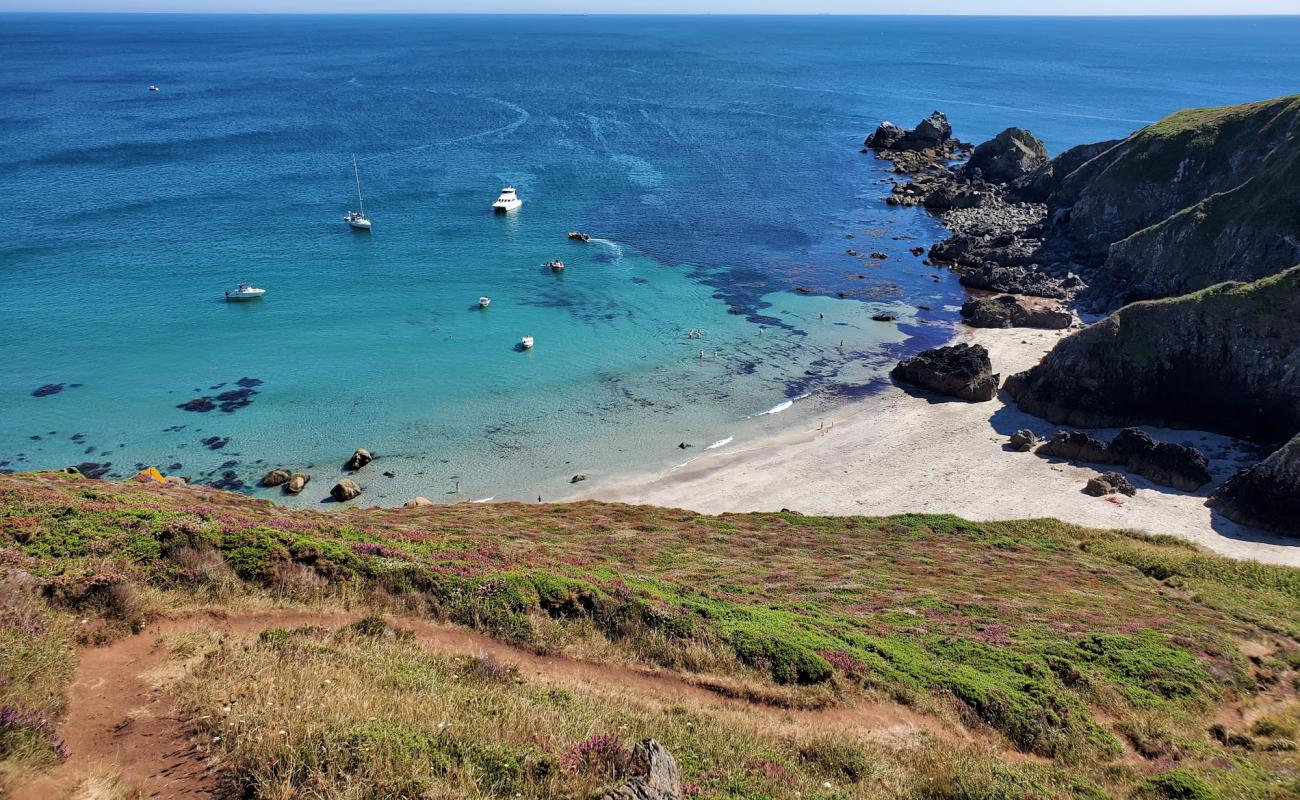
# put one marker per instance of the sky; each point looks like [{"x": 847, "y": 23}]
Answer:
[{"x": 1029, "y": 7}]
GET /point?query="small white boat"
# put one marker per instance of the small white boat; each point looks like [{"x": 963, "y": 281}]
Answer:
[
  {"x": 153, "y": 88},
  {"x": 508, "y": 201},
  {"x": 358, "y": 219},
  {"x": 556, "y": 266},
  {"x": 245, "y": 291},
  {"x": 484, "y": 301},
  {"x": 526, "y": 343}
]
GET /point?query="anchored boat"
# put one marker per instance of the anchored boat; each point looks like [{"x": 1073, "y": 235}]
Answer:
[
  {"x": 245, "y": 291},
  {"x": 507, "y": 201},
  {"x": 358, "y": 219}
]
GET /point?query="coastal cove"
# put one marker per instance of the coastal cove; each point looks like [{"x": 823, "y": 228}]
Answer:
[{"x": 722, "y": 186}]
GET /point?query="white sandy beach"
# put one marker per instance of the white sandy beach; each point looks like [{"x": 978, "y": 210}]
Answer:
[{"x": 895, "y": 453}]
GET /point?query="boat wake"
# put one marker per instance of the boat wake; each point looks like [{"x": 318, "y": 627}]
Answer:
[{"x": 615, "y": 247}]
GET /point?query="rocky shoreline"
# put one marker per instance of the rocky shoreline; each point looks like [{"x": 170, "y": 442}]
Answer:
[{"x": 1036, "y": 239}]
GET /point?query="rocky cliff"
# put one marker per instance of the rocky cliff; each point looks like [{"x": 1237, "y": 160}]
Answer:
[
  {"x": 1202, "y": 196},
  {"x": 1267, "y": 495},
  {"x": 1226, "y": 359}
]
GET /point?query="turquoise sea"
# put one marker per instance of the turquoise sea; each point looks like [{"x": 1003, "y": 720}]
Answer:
[{"x": 714, "y": 159}]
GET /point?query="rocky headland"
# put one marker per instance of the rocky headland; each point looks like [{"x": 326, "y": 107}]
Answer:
[{"x": 1187, "y": 230}]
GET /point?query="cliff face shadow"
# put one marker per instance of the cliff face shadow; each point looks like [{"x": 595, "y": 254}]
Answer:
[{"x": 1235, "y": 530}]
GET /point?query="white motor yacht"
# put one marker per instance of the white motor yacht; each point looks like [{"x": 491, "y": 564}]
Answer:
[
  {"x": 245, "y": 291},
  {"x": 556, "y": 266},
  {"x": 508, "y": 201},
  {"x": 526, "y": 343},
  {"x": 484, "y": 301}
]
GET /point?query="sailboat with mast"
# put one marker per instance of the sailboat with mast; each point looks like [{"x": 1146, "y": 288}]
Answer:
[{"x": 358, "y": 219}]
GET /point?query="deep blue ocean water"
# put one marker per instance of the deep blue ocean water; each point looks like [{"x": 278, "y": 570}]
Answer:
[{"x": 715, "y": 159}]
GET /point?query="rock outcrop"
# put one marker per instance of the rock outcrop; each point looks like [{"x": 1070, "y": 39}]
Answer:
[
  {"x": 1166, "y": 463},
  {"x": 1006, "y": 311},
  {"x": 1023, "y": 440},
  {"x": 963, "y": 371},
  {"x": 1028, "y": 280},
  {"x": 296, "y": 483},
  {"x": 1266, "y": 495},
  {"x": 275, "y": 477},
  {"x": 1109, "y": 483},
  {"x": 1224, "y": 359},
  {"x": 359, "y": 459},
  {"x": 417, "y": 502},
  {"x": 653, "y": 774},
  {"x": 1007, "y": 157},
  {"x": 929, "y": 145},
  {"x": 345, "y": 490}
]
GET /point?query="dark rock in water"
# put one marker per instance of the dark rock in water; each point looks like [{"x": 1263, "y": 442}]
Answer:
[
  {"x": 652, "y": 773},
  {"x": 1006, "y": 311},
  {"x": 1225, "y": 359},
  {"x": 359, "y": 459},
  {"x": 345, "y": 490},
  {"x": 1168, "y": 464},
  {"x": 249, "y": 383},
  {"x": 1109, "y": 483},
  {"x": 235, "y": 399},
  {"x": 229, "y": 482},
  {"x": 388, "y": 473},
  {"x": 1266, "y": 495},
  {"x": 214, "y": 442},
  {"x": 684, "y": 445},
  {"x": 200, "y": 404},
  {"x": 93, "y": 470},
  {"x": 275, "y": 477},
  {"x": 47, "y": 390},
  {"x": 1010, "y": 155},
  {"x": 1076, "y": 446},
  {"x": 577, "y": 478},
  {"x": 297, "y": 481},
  {"x": 1020, "y": 280},
  {"x": 884, "y": 317},
  {"x": 963, "y": 371},
  {"x": 879, "y": 256},
  {"x": 916, "y": 251},
  {"x": 175, "y": 465},
  {"x": 1165, "y": 463},
  {"x": 930, "y": 145},
  {"x": 1023, "y": 440}
]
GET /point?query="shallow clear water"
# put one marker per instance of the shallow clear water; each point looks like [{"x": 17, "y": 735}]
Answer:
[{"x": 714, "y": 158}]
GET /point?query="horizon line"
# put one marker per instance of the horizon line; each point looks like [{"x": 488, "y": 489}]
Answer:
[{"x": 991, "y": 15}]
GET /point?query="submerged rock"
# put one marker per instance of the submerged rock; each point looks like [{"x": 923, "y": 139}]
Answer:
[
  {"x": 1266, "y": 495},
  {"x": 47, "y": 390},
  {"x": 962, "y": 370},
  {"x": 345, "y": 490}
]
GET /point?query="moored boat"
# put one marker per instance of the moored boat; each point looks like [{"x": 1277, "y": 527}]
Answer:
[
  {"x": 507, "y": 201},
  {"x": 556, "y": 265},
  {"x": 526, "y": 343},
  {"x": 484, "y": 301},
  {"x": 245, "y": 291},
  {"x": 357, "y": 219}
]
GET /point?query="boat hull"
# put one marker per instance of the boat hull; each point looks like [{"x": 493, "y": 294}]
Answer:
[
  {"x": 505, "y": 208},
  {"x": 242, "y": 298},
  {"x": 357, "y": 225}
]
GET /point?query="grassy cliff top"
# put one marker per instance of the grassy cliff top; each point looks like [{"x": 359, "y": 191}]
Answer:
[
  {"x": 1216, "y": 117},
  {"x": 1104, "y": 657}
]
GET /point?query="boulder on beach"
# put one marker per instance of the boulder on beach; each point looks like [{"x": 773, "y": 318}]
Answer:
[
  {"x": 359, "y": 459},
  {"x": 1009, "y": 156},
  {"x": 1169, "y": 464},
  {"x": 345, "y": 490},
  {"x": 1266, "y": 495},
  {"x": 962, "y": 370},
  {"x": 1109, "y": 483},
  {"x": 275, "y": 477},
  {"x": 579, "y": 478},
  {"x": 1023, "y": 440},
  {"x": 1008, "y": 311},
  {"x": 297, "y": 482},
  {"x": 417, "y": 502}
]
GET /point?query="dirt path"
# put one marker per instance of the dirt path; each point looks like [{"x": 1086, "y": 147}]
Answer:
[{"x": 120, "y": 720}]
